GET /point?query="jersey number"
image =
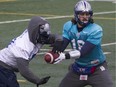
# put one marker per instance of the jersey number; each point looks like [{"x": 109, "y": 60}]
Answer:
[{"x": 80, "y": 44}]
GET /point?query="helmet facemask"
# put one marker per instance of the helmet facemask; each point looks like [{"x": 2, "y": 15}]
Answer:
[
  {"x": 83, "y": 21},
  {"x": 44, "y": 33}
]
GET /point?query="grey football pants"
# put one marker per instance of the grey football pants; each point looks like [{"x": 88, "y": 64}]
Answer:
[{"x": 98, "y": 79}]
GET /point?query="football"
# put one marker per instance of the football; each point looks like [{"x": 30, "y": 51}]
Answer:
[{"x": 50, "y": 57}]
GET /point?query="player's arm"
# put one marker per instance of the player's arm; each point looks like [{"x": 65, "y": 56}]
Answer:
[
  {"x": 23, "y": 67},
  {"x": 60, "y": 44},
  {"x": 87, "y": 48},
  {"x": 64, "y": 44},
  {"x": 60, "y": 47},
  {"x": 56, "y": 42},
  {"x": 52, "y": 38}
]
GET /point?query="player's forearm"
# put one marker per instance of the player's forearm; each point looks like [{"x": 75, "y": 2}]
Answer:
[
  {"x": 54, "y": 37},
  {"x": 26, "y": 72},
  {"x": 87, "y": 48}
]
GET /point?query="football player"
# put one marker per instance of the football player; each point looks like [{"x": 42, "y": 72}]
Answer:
[
  {"x": 85, "y": 36},
  {"x": 22, "y": 49}
]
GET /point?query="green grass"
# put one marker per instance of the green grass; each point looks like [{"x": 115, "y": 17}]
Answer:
[{"x": 25, "y": 9}]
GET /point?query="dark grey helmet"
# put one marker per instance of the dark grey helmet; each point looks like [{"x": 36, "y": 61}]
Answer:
[{"x": 39, "y": 30}]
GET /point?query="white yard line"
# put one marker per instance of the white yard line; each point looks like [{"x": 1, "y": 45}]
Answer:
[
  {"x": 109, "y": 44},
  {"x": 56, "y": 17}
]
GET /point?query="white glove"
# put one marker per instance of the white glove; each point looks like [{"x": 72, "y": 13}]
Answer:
[{"x": 60, "y": 58}]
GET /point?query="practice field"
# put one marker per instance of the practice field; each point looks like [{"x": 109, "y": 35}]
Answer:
[{"x": 14, "y": 17}]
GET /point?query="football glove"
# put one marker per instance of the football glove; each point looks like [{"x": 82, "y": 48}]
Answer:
[
  {"x": 43, "y": 81},
  {"x": 60, "y": 58},
  {"x": 70, "y": 55}
]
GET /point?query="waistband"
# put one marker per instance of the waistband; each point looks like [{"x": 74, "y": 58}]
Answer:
[{"x": 85, "y": 70}]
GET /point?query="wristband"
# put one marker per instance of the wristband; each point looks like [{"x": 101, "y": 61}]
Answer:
[{"x": 67, "y": 56}]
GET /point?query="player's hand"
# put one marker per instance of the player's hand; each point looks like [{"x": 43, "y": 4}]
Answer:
[
  {"x": 60, "y": 58},
  {"x": 57, "y": 46},
  {"x": 43, "y": 81}
]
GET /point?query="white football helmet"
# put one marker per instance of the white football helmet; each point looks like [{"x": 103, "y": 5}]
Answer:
[{"x": 82, "y": 6}]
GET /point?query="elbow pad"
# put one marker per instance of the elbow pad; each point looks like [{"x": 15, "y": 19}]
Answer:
[{"x": 73, "y": 54}]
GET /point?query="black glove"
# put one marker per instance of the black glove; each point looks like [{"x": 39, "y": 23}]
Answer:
[
  {"x": 43, "y": 81},
  {"x": 57, "y": 46}
]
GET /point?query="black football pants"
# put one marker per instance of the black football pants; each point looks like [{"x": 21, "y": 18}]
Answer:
[{"x": 7, "y": 78}]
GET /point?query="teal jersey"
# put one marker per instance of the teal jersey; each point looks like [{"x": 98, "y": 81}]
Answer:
[{"x": 91, "y": 33}]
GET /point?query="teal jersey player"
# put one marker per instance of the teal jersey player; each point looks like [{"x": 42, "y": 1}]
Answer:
[
  {"x": 85, "y": 36},
  {"x": 93, "y": 34}
]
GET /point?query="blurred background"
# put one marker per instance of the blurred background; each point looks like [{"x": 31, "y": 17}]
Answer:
[{"x": 14, "y": 18}]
